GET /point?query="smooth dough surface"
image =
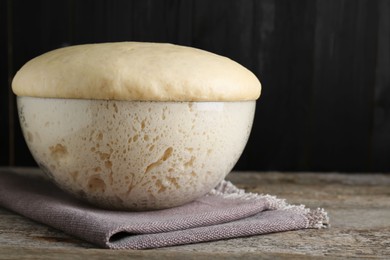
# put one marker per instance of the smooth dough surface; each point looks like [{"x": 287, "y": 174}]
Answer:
[{"x": 136, "y": 71}]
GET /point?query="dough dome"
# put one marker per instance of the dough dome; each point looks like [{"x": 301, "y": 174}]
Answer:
[{"x": 136, "y": 71}]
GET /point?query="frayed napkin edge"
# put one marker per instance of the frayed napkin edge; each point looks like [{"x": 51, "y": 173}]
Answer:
[{"x": 316, "y": 218}]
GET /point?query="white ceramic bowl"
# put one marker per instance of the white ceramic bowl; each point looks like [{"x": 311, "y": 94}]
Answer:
[{"x": 135, "y": 155}]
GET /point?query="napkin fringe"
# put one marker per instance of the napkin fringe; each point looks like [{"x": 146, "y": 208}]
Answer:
[{"x": 317, "y": 218}]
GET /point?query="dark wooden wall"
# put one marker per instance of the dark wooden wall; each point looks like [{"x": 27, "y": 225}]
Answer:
[{"x": 324, "y": 65}]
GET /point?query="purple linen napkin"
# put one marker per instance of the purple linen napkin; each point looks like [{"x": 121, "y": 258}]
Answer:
[{"x": 226, "y": 212}]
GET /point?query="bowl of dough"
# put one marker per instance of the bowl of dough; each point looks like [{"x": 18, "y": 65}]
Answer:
[{"x": 134, "y": 125}]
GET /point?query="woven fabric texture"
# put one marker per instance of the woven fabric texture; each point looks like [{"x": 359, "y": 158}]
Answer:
[{"x": 226, "y": 212}]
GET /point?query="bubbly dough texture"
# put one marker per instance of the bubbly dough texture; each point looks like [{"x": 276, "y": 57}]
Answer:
[
  {"x": 136, "y": 71},
  {"x": 135, "y": 155}
]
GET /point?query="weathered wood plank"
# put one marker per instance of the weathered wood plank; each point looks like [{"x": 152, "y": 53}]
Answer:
[
  {"x": 323, "y": 64},
  {"x": 381, "y": 126},
  {"x": 284, "y": 54},
  {"x": 358, "y": 205},
  {"x": 344, "y": 76},
  {"x": 4, "y": 91},
  {"x": 80, "y": 254}
]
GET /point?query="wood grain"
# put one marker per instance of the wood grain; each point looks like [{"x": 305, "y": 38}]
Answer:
[
  {"x": 5, "y": 72},
  {"x": 381, "y": 121},
  {"x": 342, "y": 104},
  {"x": 324, "y": 66},
  {"x": 358, "y": 206}
]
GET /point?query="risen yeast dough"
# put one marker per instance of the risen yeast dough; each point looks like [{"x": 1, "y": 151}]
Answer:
[{"x": 136, "y": 71}]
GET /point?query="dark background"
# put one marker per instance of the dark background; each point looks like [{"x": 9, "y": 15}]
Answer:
[{"x": 324, "y": 66}]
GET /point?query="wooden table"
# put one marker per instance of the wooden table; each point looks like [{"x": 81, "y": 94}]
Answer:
[{"x": 358, "y": 206}]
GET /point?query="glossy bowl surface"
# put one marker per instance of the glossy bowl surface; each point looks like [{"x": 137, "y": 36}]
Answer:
[{"x": 135, "y": 155}]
